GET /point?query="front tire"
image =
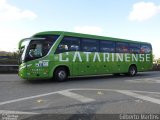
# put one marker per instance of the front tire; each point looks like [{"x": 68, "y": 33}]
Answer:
[
  {"x": 132, "y": 70},
  {"x": 60, "y": 74}
]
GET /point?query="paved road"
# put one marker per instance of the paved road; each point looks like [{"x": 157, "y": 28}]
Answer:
[{"x": 94, "y": 95}]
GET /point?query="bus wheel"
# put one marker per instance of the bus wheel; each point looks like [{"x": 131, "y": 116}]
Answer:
[
  {"x": 60, "y": 74},
  {"x": 132, "y": 70}
]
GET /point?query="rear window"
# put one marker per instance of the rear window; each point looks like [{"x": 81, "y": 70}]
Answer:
[{"x": 146, "y": 48}]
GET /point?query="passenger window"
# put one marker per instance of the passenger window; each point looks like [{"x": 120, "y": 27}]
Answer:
[
  {"x": 107, "y": 46},
  {"x": 146, "y": 48},
  {"x": 69, "y": 44},
  {"x": 122, "y": 47},
  {"x": 89, "y": 45},
  {"x": 134, "y": 48}
]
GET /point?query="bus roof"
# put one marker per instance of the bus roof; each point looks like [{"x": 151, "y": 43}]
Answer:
[{"x": 74, "y": 34}]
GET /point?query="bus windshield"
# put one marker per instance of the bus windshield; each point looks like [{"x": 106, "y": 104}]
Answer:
[
  {"x": 22, "y": 50},
  {"x": 37, "y": 47}
]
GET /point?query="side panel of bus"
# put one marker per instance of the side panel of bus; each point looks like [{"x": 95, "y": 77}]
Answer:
[{"x": 84, "y": 56}]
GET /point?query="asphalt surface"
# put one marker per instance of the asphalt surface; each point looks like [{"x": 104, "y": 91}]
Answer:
[{"x": 81, "y": 98}]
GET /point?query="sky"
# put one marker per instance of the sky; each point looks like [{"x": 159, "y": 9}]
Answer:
[{"x": 128, "y": 19}]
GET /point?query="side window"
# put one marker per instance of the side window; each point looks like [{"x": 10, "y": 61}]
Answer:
[
  {"x": 35, "y": 50},
  {"x": 146, "y": 48},
  {"x": 68, "y": 44},
  {"x": 89, "y": 45},
  {"x": 134, "y": 48},
  {"x": 122, "y": 47},
  {"x": 47, "y": 43},
  {"x": 107, "y": 46}
]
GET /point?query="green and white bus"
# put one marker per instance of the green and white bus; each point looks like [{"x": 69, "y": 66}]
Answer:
[{"x": 59, "y": 54}]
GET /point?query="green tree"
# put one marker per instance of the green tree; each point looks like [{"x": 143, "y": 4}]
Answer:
[{"x": 158, "y": 61}]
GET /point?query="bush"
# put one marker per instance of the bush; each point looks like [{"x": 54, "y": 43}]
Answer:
[
  {"x": 9, "y": 61},
  {"x": 156, "y": 67}
]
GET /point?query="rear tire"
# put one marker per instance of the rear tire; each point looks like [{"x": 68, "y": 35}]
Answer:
[
  {"x": 132, "y": 70},
  {"x": 60, "y": 74}
]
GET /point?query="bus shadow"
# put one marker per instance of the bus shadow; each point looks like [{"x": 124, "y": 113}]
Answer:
[
  {"x": 39, "y": 81},
  {"x": 102, "y": 77},
  {"x": 108, "y": 77}
]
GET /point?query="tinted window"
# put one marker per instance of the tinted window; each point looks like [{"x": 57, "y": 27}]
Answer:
[
  {"x": 69, "y": 44},
  {"x": 122, "y": 47},
  {"x": 134, "y": 48},
  {"x": 146, "y": 48},
  {"x": 89, "y": 45},
  {"x": 107, "y": 46}
]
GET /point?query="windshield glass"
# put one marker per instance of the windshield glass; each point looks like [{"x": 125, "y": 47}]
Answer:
[
  {"x": 38, "y": 47},
  {"x": 22, "y": 50}
]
